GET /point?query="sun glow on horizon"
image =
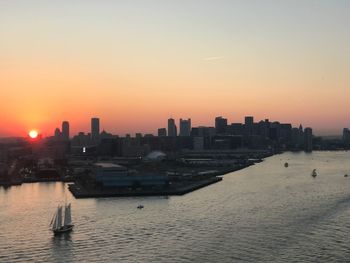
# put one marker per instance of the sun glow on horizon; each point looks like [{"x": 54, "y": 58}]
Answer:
[
  {"x": 271, "y": 59},
  {"x": 33, "y": 134}
]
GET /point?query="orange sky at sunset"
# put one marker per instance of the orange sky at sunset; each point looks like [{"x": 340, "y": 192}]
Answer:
[{"x": 135, "y": 70}]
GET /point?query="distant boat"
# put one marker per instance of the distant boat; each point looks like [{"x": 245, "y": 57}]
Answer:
[
  {"x": 140, "y": 206},
  {"x": 286, "y": 164},
  {"x": 56, "y": 222},
  {"x": 314, "y": 173}
]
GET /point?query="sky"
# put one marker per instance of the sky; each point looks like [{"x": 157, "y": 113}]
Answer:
[{"x": 134, "y": 63}]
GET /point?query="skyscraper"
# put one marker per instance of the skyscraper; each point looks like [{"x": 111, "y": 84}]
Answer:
[
  {"x": 65, "y": 130},
  {"x": 248, "y": 124},
  {"x": 308, "y": 139},
  {"x": 301, "y": 140},
  {"x": 346, "y": 135},
  {"x": 185, "y": 127},
  {"x": 220, "y": 125},
  {"x": 172, "y": 130},
  {"x": 57, "y": 134},
  {"x": 95, "y": 129},
  {"x": 249, "y": 120}
]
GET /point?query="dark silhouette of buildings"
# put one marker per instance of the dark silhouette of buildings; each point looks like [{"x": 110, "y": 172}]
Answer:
[
  {"x": 162, "y": 132},
  {"x": 95, "y": 129},
  {"x": 172, "y": 130},
  {"x": 220, "y": 125},
  {"x": 346, "y": 135},
  {"x": 308, "y": 139},
  {"x": 203, "y": 131},
  {"x": 57, "y": 134},
  {"x": 65, "y": 130},
  {"x": 262, "y": 136},
  {"x": 185, "y": 127},
  {"x": 249, "y": 122}
]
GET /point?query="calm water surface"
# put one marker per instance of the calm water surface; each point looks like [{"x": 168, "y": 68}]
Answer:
[{"x": 265, "y": 213}]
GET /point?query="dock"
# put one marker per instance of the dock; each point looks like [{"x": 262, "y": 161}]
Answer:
[{"x": 182, "y": 188}]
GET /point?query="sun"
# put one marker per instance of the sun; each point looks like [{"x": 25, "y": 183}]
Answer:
[{"x": 33, "y": 134}]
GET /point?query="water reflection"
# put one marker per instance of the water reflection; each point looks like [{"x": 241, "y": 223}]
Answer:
[
  {"x": 61, "y": 247},
  {"x": 265, "y": 213}
]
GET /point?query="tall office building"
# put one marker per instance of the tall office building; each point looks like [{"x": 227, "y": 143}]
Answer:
[
  {"x": 220, "y": 125},
  {"x": 346, "y": 135},
  {"x": 248, "y": 123},
  {"x": 185, "y": 127},
  {"x": 65, "y": 130},
  {"x": 295, "y": 138},
  {"x": 95, "y": 129},
  {"x": 301, "y": 140},
  {"x": 57, "y": 134},
  {"x": 172, "y": 130},
  {"x": 248, "y": 120},
  {"x": 308, "y": 139}
]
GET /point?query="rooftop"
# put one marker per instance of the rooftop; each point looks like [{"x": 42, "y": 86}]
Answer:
[{"x": 108, "y": 165}]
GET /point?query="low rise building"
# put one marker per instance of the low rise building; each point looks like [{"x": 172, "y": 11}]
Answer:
[{"x": 114, "y": 175}]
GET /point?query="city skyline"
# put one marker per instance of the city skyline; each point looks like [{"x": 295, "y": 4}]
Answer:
[
  {"x": 174, "y": 131},
  {"x": 220, "y": 124},
  {"x": 94, "y": 128},
  {"x": 134, "y": 65}
]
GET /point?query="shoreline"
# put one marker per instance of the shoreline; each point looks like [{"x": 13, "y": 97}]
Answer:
[
  {"x": 80, "y": 192},
  {"x": 182, "y": 188}
]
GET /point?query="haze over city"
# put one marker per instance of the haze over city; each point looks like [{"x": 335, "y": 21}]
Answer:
[
  {"x": 174, "y": 131},
  {"x": 135, "y": 64}
]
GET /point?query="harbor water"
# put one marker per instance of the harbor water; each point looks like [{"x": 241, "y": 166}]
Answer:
[{"x": 264, "y": 213}]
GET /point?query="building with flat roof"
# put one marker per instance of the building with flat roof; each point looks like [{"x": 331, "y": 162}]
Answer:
[
  {"x": 162, "y": 132},
  {"x": 114, "y": 175},
  {"x": 185, "y": 127},
  {"x": 248, "y": 123},
  {"x": 346, "y": 135},
  {"x": 220, "y": 125},
  {"x": 308, "y": 139},
  {"x": 95, "y": 129}
]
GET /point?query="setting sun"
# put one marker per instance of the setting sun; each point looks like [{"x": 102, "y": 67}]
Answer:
[{"x": 33, "y": 134}]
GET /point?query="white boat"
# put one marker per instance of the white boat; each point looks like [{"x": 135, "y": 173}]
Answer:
[
  {"x": 56, "y": 223},
  {"x": 314, "y": 173}
]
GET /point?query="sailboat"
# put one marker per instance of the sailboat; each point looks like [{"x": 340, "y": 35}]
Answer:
[{"x": 56, "y": 222}]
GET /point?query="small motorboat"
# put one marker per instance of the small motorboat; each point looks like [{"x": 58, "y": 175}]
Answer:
[
  {"x": 286, "y": 164},
  {"x": 314, "y": 173},
  {"x": 140, "y": 206}
]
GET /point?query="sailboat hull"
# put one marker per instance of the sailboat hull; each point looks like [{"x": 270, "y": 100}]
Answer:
[{"x": 63, "y": 229}]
